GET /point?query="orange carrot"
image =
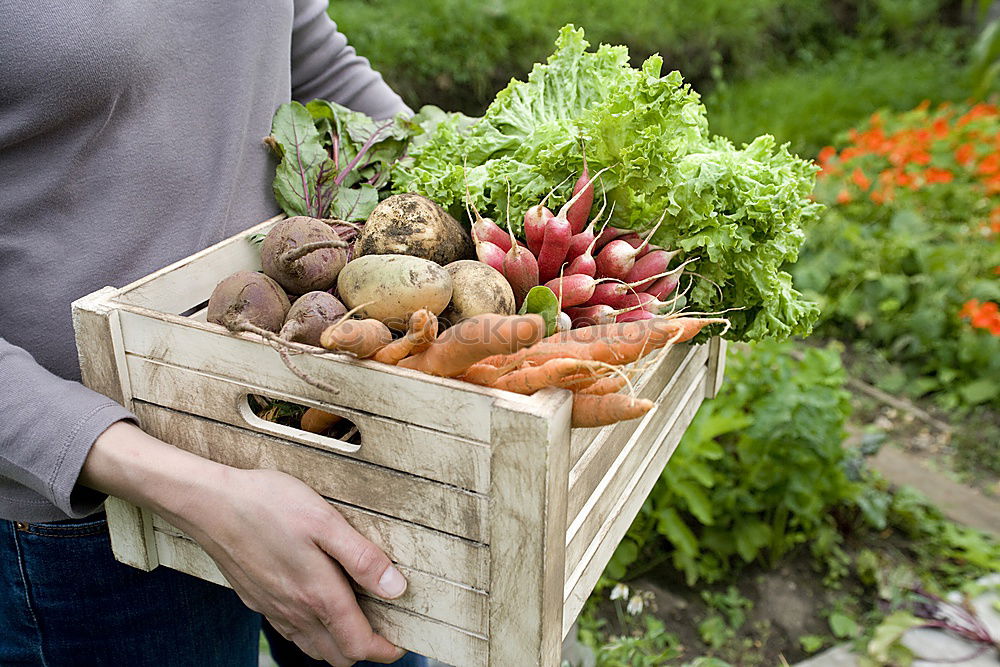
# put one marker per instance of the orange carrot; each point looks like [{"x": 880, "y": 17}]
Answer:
[
  {"x": 530, "y": 380},
  {"x": 657, "y": 329},
  {"x": 362, "y": 338},
  {"x": 590, "y": 410},
  {"x": 318, "y": 421},
  {"x": 608, "y": 385},
  {"x": 474, "y": 339},
  {"x": 421, "y": 332},
  {"x": 483, "y": 374}
]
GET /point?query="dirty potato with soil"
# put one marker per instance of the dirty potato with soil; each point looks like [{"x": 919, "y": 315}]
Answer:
[{"x": 409, "y": 224}]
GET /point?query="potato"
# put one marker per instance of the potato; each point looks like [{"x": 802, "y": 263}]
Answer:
[
  {"x": 477, "y": 289},
  {"x": 392, "y": 287},
  {"x": 409, "y": 224}
]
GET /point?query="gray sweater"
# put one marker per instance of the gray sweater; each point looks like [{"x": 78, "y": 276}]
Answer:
[{"x": 130, "y": 137}]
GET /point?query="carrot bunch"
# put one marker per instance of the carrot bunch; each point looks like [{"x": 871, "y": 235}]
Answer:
[
  {"x": 588, "y": 361},
  {"x": 511, "y": 352}
]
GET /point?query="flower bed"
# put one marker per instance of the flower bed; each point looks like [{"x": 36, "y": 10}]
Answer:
[{"x": 907, "y": 255}]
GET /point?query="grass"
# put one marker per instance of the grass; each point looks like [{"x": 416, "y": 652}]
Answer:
[{"x": 809, "y": 104}]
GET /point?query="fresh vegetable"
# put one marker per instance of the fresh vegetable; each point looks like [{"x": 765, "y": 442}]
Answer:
[
  {"x": 474, "y": 339},
  {"x": 390, "y": 288},
  {"x": 248, "y": 301},
  {"x": 590, "y": 410},
  {"x": 574, "y": 289},
  {"x": 582, "y": 199},
  {"x": 549, "y": 374},
  {"x": 535, "y": 220},
  {"x": 362, "y": 338},
  {"x": 333, "y": 161},
  {"x": 315, "y": 420},
  {"x": 421, "y": 332},
  {"x": 740, "y": 209},
  {"x": 477, "y": 289},
  {"x": 410, "y": 224},
  {"x": 542, "y": 301},
  {"x": 309, "y": 317},
  {"x": 303, "y": 254},
  {"x": 607, "y": 385},
  {"x": 520, "y": 268}
]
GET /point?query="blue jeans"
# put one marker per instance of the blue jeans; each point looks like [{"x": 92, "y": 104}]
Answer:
[{"x": 65, "y": 601}]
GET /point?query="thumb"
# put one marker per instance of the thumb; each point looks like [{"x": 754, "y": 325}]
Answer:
[{"x": 361, "y": 559}]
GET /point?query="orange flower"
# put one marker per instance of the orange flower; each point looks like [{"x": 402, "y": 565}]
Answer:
[
  {"x": 969, "y": 308},
  {"x": 860, "y": 179},
  {"x": 986, "y": 315},
  {"x": 843, "y": 197},
  {"x": 826, "y": 154},
  {"x": 904, "y": 179},
  {"x": 989, "y": 164},
  {"x": 965, "y": 154},
  {"x": 940, "y": 128},
  {"x": 938, "y": 175}
]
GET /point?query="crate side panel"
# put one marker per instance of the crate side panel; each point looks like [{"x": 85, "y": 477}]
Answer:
[
  {"x": 461, "y": 561},
  {"x": 407, "y": 396},
  {"x": 527, "y": 530},
  {"x": 427, "y": 595},
  {"x": 190, "y": 281},
  {"x": 428, "y": 503},
  {"x": 425, "y": 636},
  {"x": 409, "y": 630},
  {"x": 587, "y": 474},
  {"x": 385, "y": 442},
  {"x": 591, "y": 558}
]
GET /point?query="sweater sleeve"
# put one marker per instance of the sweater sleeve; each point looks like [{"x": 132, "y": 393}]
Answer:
[
  {"x": 325, "y": 66},
  {"x": 47, "y": 427}
]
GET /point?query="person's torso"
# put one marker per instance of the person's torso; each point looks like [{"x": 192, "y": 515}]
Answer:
[{"x": 130, "y": 137}]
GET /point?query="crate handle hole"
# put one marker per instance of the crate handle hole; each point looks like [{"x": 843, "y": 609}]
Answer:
[{"x": 324, "y": 428}]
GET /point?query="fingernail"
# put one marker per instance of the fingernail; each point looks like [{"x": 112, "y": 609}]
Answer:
[{"x": 392, "y": 582}]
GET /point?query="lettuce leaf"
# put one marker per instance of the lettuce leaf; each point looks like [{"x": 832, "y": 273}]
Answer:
[{"x": 739, "y": 210}]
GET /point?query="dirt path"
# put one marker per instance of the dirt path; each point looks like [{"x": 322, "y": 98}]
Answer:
[{"x": 958, "y": 502}]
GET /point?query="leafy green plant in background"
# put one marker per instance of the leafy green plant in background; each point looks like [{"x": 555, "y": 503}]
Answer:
[
  {"x": 906, "y": 256},
  {"x": 757, "y": 471}
]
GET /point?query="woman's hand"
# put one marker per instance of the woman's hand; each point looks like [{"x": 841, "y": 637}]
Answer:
[{"x": 282, "y": 547}]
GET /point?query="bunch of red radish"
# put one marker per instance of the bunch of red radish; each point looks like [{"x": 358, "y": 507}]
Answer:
[{"x": 610, "y": 276}]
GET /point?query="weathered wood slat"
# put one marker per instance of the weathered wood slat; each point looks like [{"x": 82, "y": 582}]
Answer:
[
  {"x": 433, "y": 638},
  {"x": 455, "y": 559},
  {"x": 427, "y": 637},
  {"x": 182, "y": 285},
  {"x": 647, "y": 385},
  {"x": 716, "y": 366},
  {"x": 385, "y": 442},
  {"x": 594, "y": 558},
  {"x": 99, "y": 344},
  {"x": 594, "y": 464},
  {"x": 428, "y": 503},
  {"x": 527, "y": 529},
  {"x": 434, "y": 597},
  {"x": 400, "y": 394}
]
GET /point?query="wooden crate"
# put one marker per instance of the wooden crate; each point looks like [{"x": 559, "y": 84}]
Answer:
[{"x": 500, "y": 516}]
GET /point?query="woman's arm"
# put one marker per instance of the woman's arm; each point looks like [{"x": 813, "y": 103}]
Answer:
[
  {"x": 47, "y": 425},
  {"x": 325, "y": 66},
  {"x": 283, "y": 548}
]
